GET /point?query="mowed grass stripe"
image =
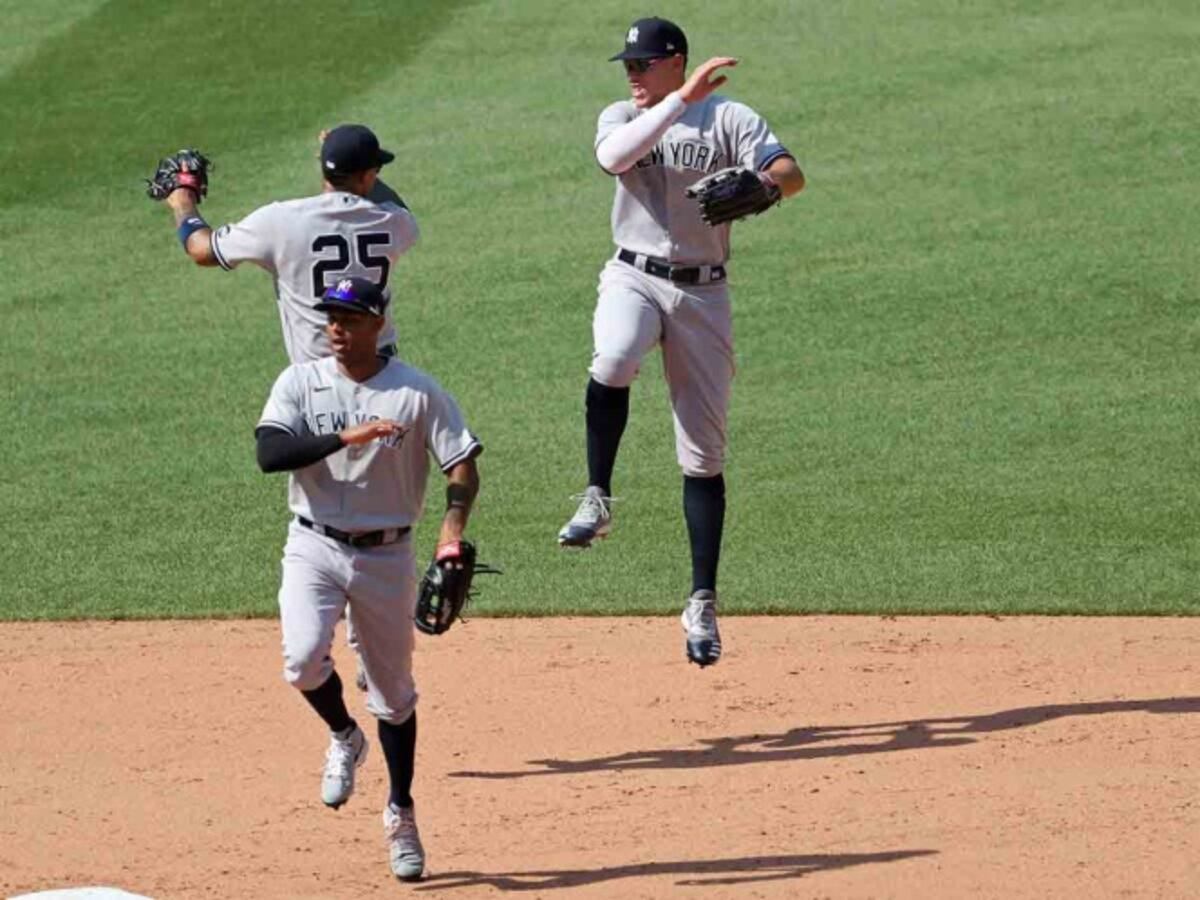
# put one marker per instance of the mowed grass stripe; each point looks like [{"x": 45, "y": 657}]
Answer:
[{"x": 964, "y": 354}]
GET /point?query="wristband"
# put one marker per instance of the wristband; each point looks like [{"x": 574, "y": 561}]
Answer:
[{"x": 188, "y": 227}]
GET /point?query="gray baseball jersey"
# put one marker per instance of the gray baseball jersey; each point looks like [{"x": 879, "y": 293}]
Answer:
[
  {"x": 309, "y": 243},
  {"x": 380, "y": 484},
  {"x": 651, "y": 213}
]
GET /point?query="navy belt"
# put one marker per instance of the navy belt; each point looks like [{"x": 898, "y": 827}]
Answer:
[
  {"x": 652, "y": 265},
  {"x": 358, "y": 539}
]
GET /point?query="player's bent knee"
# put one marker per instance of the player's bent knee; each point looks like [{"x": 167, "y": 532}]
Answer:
[
  {"x": 613, "y": 371},
  {"x": 307, "y": 673},
  {"x": 694, "y": 467}
]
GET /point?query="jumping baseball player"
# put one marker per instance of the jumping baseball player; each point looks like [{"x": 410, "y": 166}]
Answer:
[
  {"x": 673, "y": 148},
  {"x": 357, "y": 226},
  {"x": 356, "y": 431}
]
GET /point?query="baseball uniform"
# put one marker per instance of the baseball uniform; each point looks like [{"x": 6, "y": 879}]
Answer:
[
  {"x": 310, "y": 243},
  {"x": 376, "y": 487}
]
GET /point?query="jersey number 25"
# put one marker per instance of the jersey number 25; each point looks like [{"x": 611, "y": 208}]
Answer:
[{"x": 340, "y": 260}]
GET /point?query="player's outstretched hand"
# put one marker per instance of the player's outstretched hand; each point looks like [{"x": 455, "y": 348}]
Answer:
[
  {"x": 369, "y": 431},
  {"x": 698, "y": 86}
]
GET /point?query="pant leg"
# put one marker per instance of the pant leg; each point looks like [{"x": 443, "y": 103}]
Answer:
[
  {"x": 699, "y": 366},
  {"x": 626, "y": 326},
  {"x": 383, "y": 592},
  {"x": 312, "y": 598}
]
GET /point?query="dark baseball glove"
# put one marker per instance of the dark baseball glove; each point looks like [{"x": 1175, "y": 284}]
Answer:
[
  {"x": 186, "y": 169},
  {"x": 446, "y": 586},
  {"x": 733, "y": 194}
]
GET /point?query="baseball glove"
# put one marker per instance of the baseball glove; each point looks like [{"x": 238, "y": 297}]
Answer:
[
  {"x": 734, "y": 193},
  {"x": 446, "y": 586},
  {"x": 186, "y": 169}
]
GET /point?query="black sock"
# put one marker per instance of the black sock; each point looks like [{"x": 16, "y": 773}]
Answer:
[
  {"x": 607, "y": 413},
  {"x": 327, "y": 701},
  {"x": 704, "y": 510},
  {"x": 399, "y": 743}
]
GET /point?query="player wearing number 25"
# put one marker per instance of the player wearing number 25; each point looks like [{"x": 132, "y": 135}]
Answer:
[{"x": 356, "y": 227}]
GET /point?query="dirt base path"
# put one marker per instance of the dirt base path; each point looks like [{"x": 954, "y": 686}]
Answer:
[{"x": 563, "y": 758}]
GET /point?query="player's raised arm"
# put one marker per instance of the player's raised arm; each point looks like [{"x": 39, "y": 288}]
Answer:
[
  {"x": 182, "y": 181},
  {"x": 194, "y": 233}
]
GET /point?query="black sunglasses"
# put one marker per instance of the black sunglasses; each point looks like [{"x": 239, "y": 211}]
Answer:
[{"x": 641, "y": 66}]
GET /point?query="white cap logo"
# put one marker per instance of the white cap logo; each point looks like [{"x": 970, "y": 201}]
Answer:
[
  {"x": 632, "y": 37},
  {"x": 345, "y": 286},
  {"x": 329, "y": 164}
]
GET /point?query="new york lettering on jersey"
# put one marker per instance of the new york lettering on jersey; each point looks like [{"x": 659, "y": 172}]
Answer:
[
  {"x": 315, "y": 397},
  {"x": 310, "y": 243},
  {"x": 651, "y": 211}
]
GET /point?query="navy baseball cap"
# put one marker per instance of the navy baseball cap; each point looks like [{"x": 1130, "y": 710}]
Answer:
[
  {"x": 354, "y": 295},
  {"x": 652, "y": 38},
  {"x": 352, "y": 148}
]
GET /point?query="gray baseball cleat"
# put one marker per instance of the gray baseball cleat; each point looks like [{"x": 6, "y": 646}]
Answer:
[
  {"x": 592, "y": 520},
  {"x": 405, "y": 852},
  {"x": 341, "y": 760},
  {"x": 699, "y": 620}
]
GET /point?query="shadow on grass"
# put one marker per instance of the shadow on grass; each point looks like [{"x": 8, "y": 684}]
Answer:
[
  {"x": 818, "y": 742},
  {"x": 702, "y": 872},
  {"x": 97, "y": 106}
]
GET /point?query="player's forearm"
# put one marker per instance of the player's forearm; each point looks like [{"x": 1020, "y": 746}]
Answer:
[
  {"x": 280, "y": 451},
  {"x": 623, "y": 147},
  {"x": 461, "y": 490},
  {"x": 785, "y": 172},
  {"x": 194, "y": 231}
]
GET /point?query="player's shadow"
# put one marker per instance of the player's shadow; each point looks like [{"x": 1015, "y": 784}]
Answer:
[
  {"x": 821, "y": 741},
  {"x": 691, "y": 873}
]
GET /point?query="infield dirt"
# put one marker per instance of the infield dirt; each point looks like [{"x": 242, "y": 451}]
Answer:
[{"x": 562, "y": 758}]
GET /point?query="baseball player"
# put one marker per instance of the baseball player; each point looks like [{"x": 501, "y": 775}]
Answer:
[
  {"x": 666, "y": 285},
  {"x": 356, "y": 431},
  {"x": 357, "y": 225}
]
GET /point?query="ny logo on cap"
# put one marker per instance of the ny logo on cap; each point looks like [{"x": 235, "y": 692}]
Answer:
[
  {"x": 632, "y": 37},
  {"x": 345, "y": 286}
]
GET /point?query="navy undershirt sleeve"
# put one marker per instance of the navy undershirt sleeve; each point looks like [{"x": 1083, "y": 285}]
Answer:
[{"x": 281, "y": 451}]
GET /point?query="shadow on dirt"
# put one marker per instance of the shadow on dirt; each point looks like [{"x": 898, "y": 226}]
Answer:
[
  {"x": 817, "y": 742},
  {"x": 697, "y": 873}
]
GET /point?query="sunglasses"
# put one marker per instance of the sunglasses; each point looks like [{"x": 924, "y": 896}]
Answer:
[{"x": 641, "y": 66}]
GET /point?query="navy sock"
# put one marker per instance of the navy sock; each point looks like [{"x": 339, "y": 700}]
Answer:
[
  {"x": 607, "y": 413},
  {"x": 704, "y": 510},
  {"x": 399, "y": 743},
  {"x": 327, "y": 701}
]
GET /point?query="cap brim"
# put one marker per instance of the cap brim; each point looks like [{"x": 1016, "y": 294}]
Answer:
[
  {"x": 638, "y": 54},
  {"x": 385, "y": 157},
  {"x": 342, "y": 306}
]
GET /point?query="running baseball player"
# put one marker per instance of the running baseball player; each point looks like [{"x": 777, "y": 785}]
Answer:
[
  {"x": 356, "y": 226},
  {"x": 666, "y": 284},
  {"x": 356, "y": 431}
]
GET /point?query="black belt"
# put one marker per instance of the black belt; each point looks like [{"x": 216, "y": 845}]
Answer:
[
  {"x": 652, "y": 265},
  {"x": 359, "y": 539}
]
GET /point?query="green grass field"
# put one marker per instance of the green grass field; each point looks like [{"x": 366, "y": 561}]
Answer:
[{"x": 968, "y": 353}]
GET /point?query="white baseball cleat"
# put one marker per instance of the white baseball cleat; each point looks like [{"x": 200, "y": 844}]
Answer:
[
  {"x": 341, "y": 760},
  {"x": 405, "y": 852},
  {"x": 592, "y": 520},
  {"x": 699, "y": 620}
]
